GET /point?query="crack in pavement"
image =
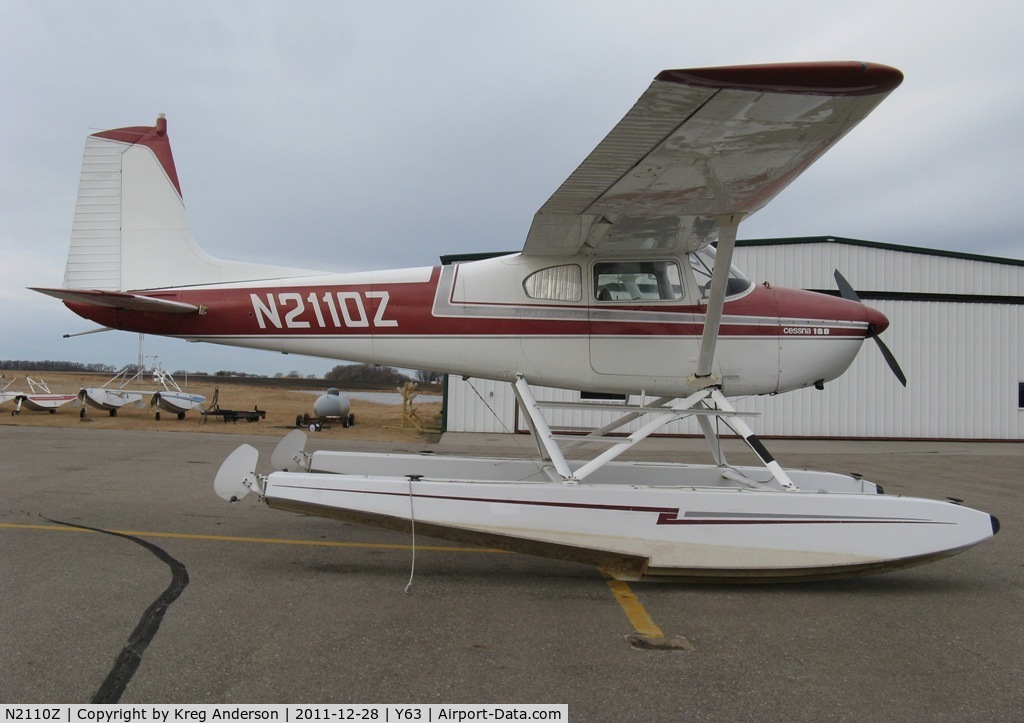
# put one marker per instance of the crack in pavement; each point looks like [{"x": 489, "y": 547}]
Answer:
[{"x": 130, "y": 657}]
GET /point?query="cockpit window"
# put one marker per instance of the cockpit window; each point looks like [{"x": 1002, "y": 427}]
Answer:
[
  {"x": 555, "y": 283},
  {"x": 637, "y": 281},
  {"x": 703, "y": 263}
]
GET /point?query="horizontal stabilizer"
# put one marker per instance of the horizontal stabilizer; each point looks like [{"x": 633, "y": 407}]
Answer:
[{"x": 120, "y": 300}]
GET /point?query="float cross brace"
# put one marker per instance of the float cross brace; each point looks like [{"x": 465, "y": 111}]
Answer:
[{"x": 662, "y": 411}]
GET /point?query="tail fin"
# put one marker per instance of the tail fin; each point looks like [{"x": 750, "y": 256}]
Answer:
[{"x": 130, "y": 230}]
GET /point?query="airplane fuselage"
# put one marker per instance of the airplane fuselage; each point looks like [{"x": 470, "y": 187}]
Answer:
[{"x": 552, "y": 320}]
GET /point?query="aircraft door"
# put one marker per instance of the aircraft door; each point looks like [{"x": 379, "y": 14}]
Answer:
[{"x": 637, "y": 319}]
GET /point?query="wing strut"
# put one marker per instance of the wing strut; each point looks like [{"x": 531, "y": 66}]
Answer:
[{"x": 704, "y": 377}]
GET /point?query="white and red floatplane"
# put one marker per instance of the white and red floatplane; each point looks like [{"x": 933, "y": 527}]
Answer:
[
  {"x": 39, "y": 398},
  {"x": 617, "y": 290}
]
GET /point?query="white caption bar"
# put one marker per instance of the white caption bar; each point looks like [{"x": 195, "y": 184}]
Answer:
[{"x": 428, "y": 713}]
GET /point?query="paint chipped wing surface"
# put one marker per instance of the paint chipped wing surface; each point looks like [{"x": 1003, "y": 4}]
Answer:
[{"x": 700, "y": 144}]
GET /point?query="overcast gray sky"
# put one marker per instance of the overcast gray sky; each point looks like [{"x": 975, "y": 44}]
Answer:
[{"x": 360, "y": 135}]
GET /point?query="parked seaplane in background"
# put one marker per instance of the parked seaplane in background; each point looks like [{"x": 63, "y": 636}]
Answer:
[
  {"x": 115, "y": 394},
  {"x": 624, "y": 286},
  {"x": 39, "y": 398},
  {"x": 6, "y": 393},
  {"x": 118, "y": 392},
  {"x": 172, "y": 399}
]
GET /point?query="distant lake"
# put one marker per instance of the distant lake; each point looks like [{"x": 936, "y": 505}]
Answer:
[{"x": 375, "y": 397}]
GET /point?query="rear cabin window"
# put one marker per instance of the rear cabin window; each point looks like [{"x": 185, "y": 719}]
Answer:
[
  {"x": 637, "y": 281},
  {"x": 555, "y": 283}
]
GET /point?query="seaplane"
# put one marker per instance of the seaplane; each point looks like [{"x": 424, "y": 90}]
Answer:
[
  {"x": 39, "y": 398},
  {"x": 114, "y": 394},
  {"x": 171, "y": 398},
  {"x": 624, "y": 286},
  {"x": 6, "y": 393}
]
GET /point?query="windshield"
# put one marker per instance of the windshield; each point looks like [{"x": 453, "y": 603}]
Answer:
[{"x": 703, "y": 263}]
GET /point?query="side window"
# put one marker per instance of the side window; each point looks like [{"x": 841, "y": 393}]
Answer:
[
  {"x": 637, "y": 281},
  {"x": 555, "y": 283}
]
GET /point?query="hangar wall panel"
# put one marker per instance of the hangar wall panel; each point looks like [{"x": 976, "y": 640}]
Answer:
[
  {"x": 963, "y": 363},
  {"x": 877, "y": 268},
  {"x": 479, "y": 405},
  {"x": 963, "y": 358}
]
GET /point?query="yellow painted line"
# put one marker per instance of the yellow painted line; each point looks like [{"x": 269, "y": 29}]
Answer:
[
  {"x": 264, "y": 540},
  {"x": 639, "y": 618}
]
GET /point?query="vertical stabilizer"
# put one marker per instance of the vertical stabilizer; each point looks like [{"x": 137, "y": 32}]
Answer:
[{"x": 130, "y": 230}]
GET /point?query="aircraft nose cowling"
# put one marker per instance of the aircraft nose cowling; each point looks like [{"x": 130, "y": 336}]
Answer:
[
  {"x": 812, "y": 306},
  {"x": 801, "y": 365},
  {"x": 879, "y": 322}
]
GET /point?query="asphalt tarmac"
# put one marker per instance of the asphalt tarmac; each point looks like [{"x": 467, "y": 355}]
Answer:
[{"x": 124, "y": 578}]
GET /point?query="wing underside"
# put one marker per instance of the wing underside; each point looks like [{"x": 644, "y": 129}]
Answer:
[{"x": 700, "y": 145}]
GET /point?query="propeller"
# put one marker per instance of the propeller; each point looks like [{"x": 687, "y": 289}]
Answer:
[{"x": 847, "y": 292}]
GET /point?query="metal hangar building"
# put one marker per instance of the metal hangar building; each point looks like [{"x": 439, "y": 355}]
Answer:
[{"x": 956, "y": 328}]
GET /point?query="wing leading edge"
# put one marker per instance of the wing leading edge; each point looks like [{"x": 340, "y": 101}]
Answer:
[{"x": 700, "y": 145}]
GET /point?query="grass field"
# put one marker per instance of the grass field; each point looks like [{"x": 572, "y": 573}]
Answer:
[{"x": 282, "y": 399}]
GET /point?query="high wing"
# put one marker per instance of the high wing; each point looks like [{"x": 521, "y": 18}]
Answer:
[{"x": 701, "y": 145}]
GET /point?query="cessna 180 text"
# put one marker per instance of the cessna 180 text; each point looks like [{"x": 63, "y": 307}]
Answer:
[{"x": 624, "y": 285}]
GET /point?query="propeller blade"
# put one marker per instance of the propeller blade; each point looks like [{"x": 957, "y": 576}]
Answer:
[
  {"x": 889, "y": 358},
  {"x": 847, "y": 292}
]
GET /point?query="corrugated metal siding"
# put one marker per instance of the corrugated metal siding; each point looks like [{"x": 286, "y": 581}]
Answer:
[
  {"x": 810, "y": 266},
  {"x": 963, "y": 360},
  {"x": 468, "y": 413},
  {"x": 479, "y": 405},
  {"x": 963, "y": 363}
]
